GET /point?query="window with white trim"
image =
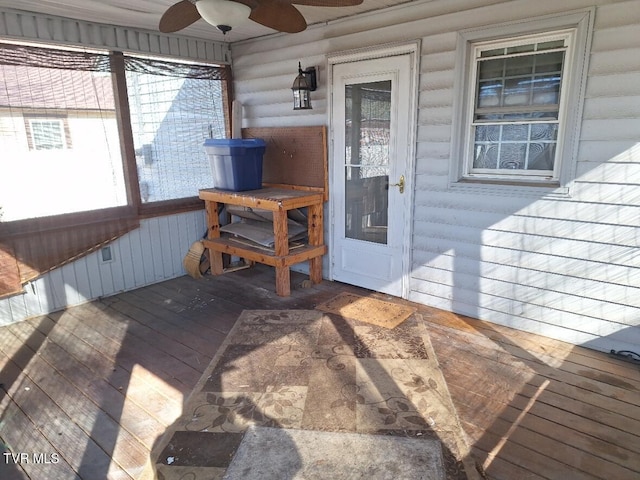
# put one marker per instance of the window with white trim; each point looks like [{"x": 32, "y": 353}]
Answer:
[
  {"x": 521, "y": 87},
  {"x": 518, "y": 107},
  {"x": 47, "y": 134}
]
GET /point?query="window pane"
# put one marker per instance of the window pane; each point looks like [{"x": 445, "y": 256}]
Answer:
[
  {"x": 171, "y": 117},
  {"x": 513, "y": 155},
  {"x": 517, "y": 92},
  {"x": 542, "y": 131},
  {"x": 521, "y": 48},
  {"x": 492, "y": 53},
  {"x": 488, "y": 133},
  {"x": 519, "y": 65},
  {"x": 486, "y": 156},
  {"x": 59, "y": 142},
  {"x": 550, "y": 45},
  {"x": 516, "y": 87},
  {"x": 549, "y": 62},
  {"x": 515, "y": 132},
  {"x": 490, "y": 94},
  {"x": 546, "y": 90},
  {"x": 541, "y": 156},
  {"x": 491, "y": 69}
]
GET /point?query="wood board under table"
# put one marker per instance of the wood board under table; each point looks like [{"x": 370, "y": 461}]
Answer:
[{"x": 284, "y": 153}]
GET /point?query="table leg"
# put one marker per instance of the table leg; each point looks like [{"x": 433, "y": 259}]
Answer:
[
  {"x": 281, "y": 233},
  {"x": 213, "y": 231},
  {"x": 315, "y": 231}
]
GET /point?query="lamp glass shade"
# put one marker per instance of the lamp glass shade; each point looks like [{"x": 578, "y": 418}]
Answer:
[
  {"x": 223, "y": 12},
  {"x": 301, "y": 90},
  {"x": 301, "y": 100}
]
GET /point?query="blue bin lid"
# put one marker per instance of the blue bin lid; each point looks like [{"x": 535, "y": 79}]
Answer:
[{"x": 235, "y": 142}]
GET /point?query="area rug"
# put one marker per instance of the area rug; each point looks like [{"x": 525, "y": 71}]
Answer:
[
  {"x": 367, "y": 309},
  {"x": 314, "y": 371}
]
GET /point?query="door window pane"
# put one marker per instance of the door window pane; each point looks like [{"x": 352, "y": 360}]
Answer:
[{"x": 367, "y": 132}]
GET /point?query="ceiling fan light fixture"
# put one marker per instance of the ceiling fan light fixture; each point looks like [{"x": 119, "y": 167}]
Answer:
[
  {"x": 304, "y": 83},
  {"x": 223, "y": 14}
]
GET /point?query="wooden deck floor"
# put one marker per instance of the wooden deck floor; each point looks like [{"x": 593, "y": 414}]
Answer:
[{"x": 86, "y": 393}]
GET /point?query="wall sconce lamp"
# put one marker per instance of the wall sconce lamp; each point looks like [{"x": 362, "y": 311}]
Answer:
[{"x": 304, "y": 83}]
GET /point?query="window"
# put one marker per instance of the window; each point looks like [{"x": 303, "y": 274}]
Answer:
[
  {"x": 516, "y": 112},
  {"x": 58, "y": 133},
  {"x": 62, "y": 126},
  {"x": 522, "y": 96},
  {"x": 173, "y": 109},
  {"x": 46, "y": 134},
  {"x": 92, "y": 141}
]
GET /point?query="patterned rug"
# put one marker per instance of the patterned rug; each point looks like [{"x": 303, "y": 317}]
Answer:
[
  {"x": 367, "y": 309},
  {"x": 302, "y": 369}
]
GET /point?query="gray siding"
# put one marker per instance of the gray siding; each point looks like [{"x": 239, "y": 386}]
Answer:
[
  {"x": 149, "y": 254},
  {"x": 19, "y": 25},
  {"x": 565, "y": 267}
]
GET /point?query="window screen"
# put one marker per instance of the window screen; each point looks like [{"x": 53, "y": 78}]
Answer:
[
  {"x": 58, "y": 133},
  {"x": 174, "y": 109}
]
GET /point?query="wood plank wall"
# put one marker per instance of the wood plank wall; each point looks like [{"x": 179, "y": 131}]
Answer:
[
  {"x": 150, "y": 254},
  {"x": 566, "y": 267}
]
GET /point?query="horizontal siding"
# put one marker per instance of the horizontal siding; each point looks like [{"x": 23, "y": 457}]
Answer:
[
  {"x": 564, "y": 267},
  {"x": 149, "y": 254},
  {"x": 51, "y": 29}
]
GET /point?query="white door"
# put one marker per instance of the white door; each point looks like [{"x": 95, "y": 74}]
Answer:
[{"x": 372, "y": 123}]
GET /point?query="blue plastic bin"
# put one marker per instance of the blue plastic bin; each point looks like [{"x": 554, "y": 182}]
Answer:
[{"x": 236, "y": 164}]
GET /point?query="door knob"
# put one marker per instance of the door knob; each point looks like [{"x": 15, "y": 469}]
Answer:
[{"x": 400, "y": 184}]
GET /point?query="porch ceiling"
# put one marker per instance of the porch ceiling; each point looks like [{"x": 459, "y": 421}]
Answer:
[{"x": 145, "y": 14}]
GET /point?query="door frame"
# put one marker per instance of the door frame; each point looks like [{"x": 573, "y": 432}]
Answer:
[{"x": 370, "y": 53}]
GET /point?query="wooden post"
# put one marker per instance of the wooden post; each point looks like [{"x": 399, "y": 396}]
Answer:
[
  {"x": 316, "y": 232},
  {"x": 281, "y": 233},
  {"x": 213, "y": 231}
]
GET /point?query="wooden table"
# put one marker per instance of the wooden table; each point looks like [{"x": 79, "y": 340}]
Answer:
[{"x": 279, "y": 201}]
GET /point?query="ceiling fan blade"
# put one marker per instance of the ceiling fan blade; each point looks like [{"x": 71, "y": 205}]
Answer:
[
  {"x": 179, "y": 16},
  {"x": 327, "y": 3},
  {"x": 279, "y": 15}
]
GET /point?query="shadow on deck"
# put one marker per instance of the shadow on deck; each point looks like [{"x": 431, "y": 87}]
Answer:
[{"x": 87, "y": 392}]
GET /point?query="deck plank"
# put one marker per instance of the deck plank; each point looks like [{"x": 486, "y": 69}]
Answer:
[
  {"x": 104, "y": 387},
  {"x": 117, "y": 443},
  {"x": 74, "y": 445},
  {"x": 114, "y": 373}
]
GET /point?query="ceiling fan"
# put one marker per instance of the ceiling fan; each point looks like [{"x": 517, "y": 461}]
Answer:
[{"x": 280, "y": 15}]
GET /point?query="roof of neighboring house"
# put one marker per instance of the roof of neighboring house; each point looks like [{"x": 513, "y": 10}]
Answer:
[{"x": 49, "y": 88}]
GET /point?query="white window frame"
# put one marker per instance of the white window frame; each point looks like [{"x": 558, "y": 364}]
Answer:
[
  {"x": 576, "y": 28},
  {"x": 37, "y": 143}
]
